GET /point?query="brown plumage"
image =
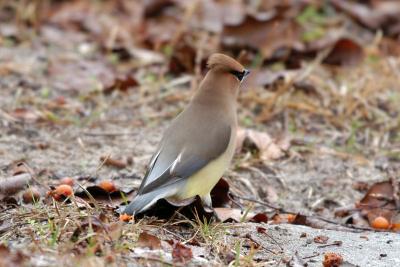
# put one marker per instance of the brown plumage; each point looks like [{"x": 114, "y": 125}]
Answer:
[
  {"x": 198, "y": 146},
  {"x": 223, "y": 62}
]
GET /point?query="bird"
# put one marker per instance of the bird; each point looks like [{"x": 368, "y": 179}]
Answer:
[{"x": 198, "y": 146}]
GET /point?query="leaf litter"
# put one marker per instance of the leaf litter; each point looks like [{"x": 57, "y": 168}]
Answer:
[{"x": 321, "y": 118}]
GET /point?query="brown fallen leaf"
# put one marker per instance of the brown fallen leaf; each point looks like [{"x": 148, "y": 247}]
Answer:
[
  {"x": 181, "y": 253},
  {"x": 260, "y": 218},
  {"x": 122, "y": 83},
  {"x": 267, "y": 36},
  {"x": 345, "y": 52},
  {"x": 268, "y": 149},
  {"x": 228, "y": 214},
  {"x": 321, "y": 239},
  {"x": 10, "y": 258},
  {"x": 220, "y": 194},
  {"x": 261, "y": 230},
  {"x": 149, "y": 241},
  {"x": 379, "y": 201},
  {"x": 26, "y": 115}
]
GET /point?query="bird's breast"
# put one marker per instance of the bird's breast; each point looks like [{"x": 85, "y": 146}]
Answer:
[{"x": 203, "y": 181}]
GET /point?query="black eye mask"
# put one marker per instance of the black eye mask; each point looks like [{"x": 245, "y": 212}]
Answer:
[{"x": 240, "y": 74}]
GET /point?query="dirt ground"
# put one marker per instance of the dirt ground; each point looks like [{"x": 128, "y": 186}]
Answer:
[{"x": 57, "y": 118}]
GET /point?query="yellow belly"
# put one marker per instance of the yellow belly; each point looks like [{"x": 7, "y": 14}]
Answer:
[{"x": 203, "y": 181}]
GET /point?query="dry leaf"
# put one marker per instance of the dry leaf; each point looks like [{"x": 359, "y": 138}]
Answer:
[
  {"x": 267, "y": 36},
  {"x": 321, "y": 239},
  {"x": 11, "y": 259},
  {"x": 345, "y": 52},
  {"x": 26, "y": 115},
  {"x": 379, "y": 201},
  {"x": 181, "y": 253},
  {"x": 122, "y": 84},
  {"x": 149, "y": 241},
  {"x": 267, "y": 147},
  {"x": 228, "y": 214}
]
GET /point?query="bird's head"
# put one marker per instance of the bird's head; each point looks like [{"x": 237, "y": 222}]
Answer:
[{"x": 226, "y": 66}]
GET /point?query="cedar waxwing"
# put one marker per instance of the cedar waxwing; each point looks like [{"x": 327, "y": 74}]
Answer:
[{"x": 198, "y": 146}]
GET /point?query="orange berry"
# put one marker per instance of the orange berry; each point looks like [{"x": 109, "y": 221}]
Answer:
[
  {"x": 125, "y": 217},
  {"x": 291, "y": 218},
  {"x": 67, "y": 181},
  {"x": 396, "y": 227},
  {"x": 380, "y": 223},
  {"x": 30, "y": 195},
  {"x": 64, "y": 190},
  {"x": 108, "y": 186}
]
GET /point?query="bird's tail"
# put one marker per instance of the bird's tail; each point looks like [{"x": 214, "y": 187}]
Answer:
[{"x": 143, "y": 202}]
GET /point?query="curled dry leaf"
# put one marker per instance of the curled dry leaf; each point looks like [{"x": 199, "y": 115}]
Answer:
[
  {"x": 345, "y": 52},
  {"x": 122, "y": 83},
  {"x": 181, "y": 253},
  {"x": 149, "y": 241},
  {"x": 379, "y": 201},
  {"x": 321, "y": 239},
  {"x": 267, "y": 147},
  {"x": 220, "y": 194},
  {"x": 260, "y": 218},
  {"x": 228, "y": 214}
]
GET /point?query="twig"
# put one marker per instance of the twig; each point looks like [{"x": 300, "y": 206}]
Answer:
[{"x": 335, "y": 243}]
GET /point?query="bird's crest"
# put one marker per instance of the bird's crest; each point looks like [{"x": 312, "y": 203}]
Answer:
[{"x": 224, "y": 62}]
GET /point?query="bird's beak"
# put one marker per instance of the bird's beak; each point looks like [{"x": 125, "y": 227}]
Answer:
[{"x": 246, "y": 72}]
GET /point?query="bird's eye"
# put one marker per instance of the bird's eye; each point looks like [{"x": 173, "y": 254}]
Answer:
[{"x": 240, "y": 74}]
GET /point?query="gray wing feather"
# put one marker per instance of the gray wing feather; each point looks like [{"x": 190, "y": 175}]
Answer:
[{"x": 160, "y": 174}]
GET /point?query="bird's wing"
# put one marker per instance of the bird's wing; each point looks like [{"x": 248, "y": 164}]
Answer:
[{"x": 174, "y": 162}]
